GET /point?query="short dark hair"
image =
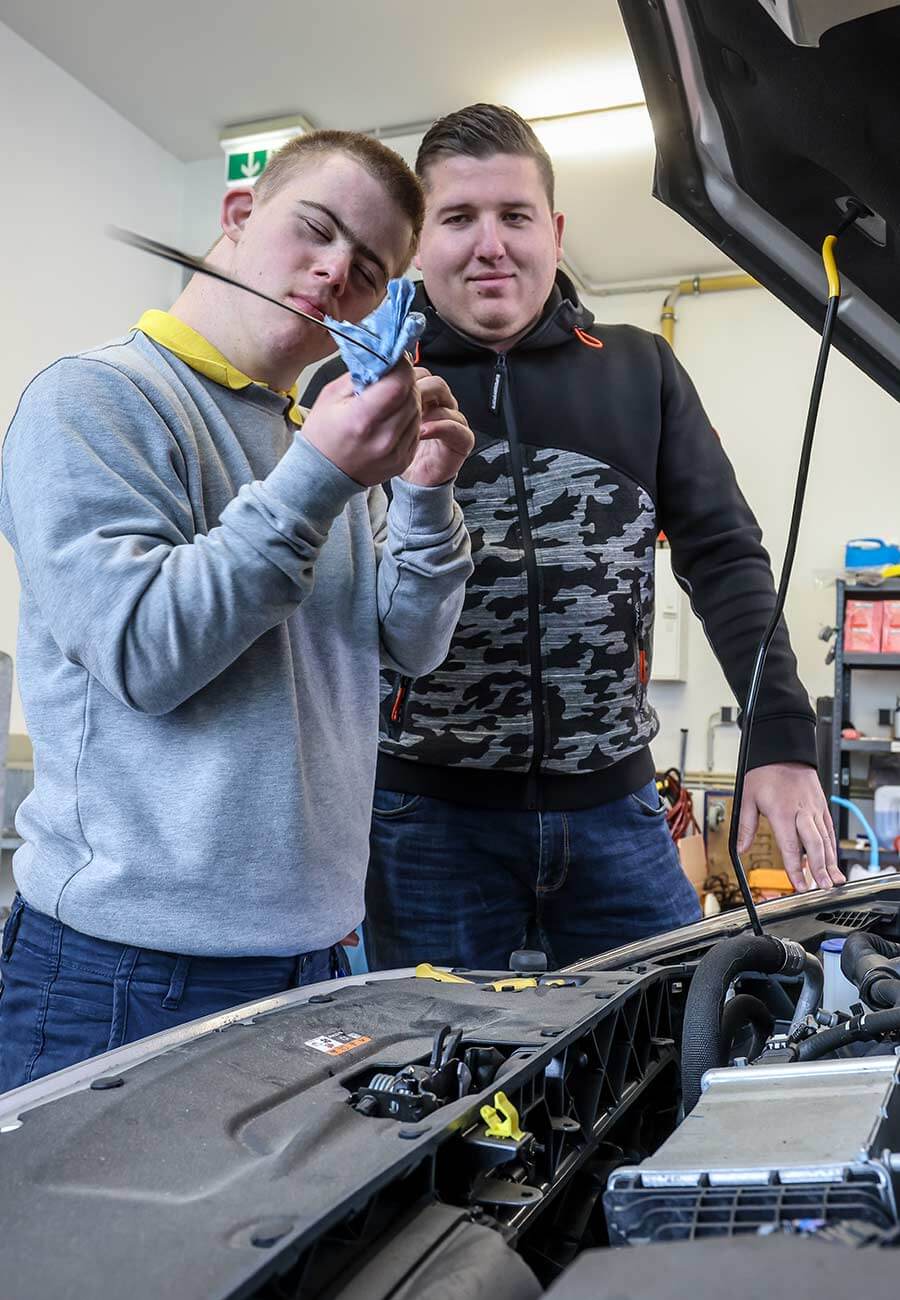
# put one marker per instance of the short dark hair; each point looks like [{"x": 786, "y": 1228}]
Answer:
[
  {"x": 480, "y": 131},
  {"x": 379, "y": 161}
]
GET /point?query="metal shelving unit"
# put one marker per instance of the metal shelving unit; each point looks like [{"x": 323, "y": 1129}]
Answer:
[
  {"x": 844, "y": 667},
  {"x": 871, "y": 746},
  {"x": 870, "y": 661}
]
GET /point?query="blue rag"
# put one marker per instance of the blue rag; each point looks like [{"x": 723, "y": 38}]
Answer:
[{"x": 390, "y": 329}]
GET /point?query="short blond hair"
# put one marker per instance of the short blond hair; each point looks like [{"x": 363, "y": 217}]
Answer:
[{"x": 398, "y": 180}]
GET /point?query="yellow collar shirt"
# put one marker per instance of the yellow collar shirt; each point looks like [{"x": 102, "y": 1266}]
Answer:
[{"x": 198, "y": 353}]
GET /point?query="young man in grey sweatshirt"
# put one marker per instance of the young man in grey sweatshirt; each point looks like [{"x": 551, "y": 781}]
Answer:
[{"x": 210, "y": 582}]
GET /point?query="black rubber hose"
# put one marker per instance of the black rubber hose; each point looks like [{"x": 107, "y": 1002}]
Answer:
[
  {"x": 810, "y": 999},
  {"x": 741, "y": 1011},
  {"x": 779, "y": 1001},
  {"x": 865, "y": 962},
  {"x": 861, "y": 1029},
  {"x": 701, "y": 1045}
]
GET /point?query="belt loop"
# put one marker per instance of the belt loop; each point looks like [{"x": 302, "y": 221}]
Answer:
[{"x": 172, "y": 1000}]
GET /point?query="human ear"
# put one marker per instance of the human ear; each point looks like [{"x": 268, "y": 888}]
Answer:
[{"x": 236, "y": 208}]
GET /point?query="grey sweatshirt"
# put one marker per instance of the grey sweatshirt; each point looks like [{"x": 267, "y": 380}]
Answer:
[{"x": 206, "y": 601}]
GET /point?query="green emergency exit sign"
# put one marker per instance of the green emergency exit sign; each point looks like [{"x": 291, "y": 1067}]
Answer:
[
  {"x": 249, "y": 147},
  {"x": 247, "y": 166}
]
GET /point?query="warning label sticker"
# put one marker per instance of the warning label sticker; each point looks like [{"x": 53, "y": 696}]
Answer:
[{"x": 337, "y": 1043}]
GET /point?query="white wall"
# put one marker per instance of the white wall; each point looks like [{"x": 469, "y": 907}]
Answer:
[
  {"x": 752, "y": 361},
  {"x": 77, "y": 166},
  {"x": 70, "y": 167},
  {"x": 204, "y": 186}
]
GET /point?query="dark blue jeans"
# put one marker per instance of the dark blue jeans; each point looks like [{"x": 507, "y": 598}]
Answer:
[
  {"x": 66, "y": 996},
  {"x": 463, "y": 886}
]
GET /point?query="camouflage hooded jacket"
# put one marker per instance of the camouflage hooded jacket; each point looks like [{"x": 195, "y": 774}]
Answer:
[{"x": 589, "y": 441}]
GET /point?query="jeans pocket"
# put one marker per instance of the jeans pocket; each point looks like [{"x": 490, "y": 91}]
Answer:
[
  {"x": 11, "y": 928},
  {"x": 648, "y": 803},
  {"x": 393, "y": 803},
  {"x": 340, "y": 962}
]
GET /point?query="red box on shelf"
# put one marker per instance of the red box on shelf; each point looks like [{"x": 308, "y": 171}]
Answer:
[
  {"x": 862, "y": 626},
  {"x": 890, "y": 628}
]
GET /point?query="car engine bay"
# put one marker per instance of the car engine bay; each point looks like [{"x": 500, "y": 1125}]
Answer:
[{"x": 484, "y": 1133}]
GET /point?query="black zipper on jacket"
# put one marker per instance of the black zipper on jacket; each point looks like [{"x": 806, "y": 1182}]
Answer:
[
  {"x": 500, "y": 394},
  {"x": 640, "y": 649},
  {"x": 497, "y": 384}
]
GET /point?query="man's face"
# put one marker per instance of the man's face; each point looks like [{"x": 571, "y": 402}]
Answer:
[
  {"x": 490, "y": 245},
  {"x": 326, "y": 242}
]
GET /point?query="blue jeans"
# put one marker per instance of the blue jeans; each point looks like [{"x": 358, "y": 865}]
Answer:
[
  {"x": 464, "y": 886},
  {"x": 66, "y": 996}
]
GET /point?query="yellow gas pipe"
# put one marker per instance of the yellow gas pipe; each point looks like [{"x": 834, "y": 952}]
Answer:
[{"x": 699, "y": 284}]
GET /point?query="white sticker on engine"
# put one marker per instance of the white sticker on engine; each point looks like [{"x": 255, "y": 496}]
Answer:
[{"x": 337, "y": 1043}]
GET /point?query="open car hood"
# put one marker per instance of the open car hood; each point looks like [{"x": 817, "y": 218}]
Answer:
[{"x": 768, "y": 116}]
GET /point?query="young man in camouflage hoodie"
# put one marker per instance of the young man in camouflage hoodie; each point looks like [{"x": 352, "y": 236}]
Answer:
[{"x": 516, "y": 802}]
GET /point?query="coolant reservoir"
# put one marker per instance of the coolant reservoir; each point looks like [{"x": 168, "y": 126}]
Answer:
[{"x": 839, "y": 994}]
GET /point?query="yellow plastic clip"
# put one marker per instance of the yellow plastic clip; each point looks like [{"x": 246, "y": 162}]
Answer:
[
  {"x": 425, "y": 971},
  {"x": 502, "y": 1119},
  {"x": 512, "y": 985}
]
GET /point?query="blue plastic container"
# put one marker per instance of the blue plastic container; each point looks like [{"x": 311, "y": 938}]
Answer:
[{"x": 870, "y": 553}]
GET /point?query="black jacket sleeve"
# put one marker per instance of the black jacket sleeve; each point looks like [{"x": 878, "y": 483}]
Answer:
[{"x": 719, "y": 558}]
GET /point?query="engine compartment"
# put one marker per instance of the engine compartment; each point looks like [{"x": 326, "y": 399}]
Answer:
[{"x": 514, "y": 1132}]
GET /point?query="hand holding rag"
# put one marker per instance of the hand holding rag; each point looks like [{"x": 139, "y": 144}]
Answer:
[{"x": 391, "y": 329}]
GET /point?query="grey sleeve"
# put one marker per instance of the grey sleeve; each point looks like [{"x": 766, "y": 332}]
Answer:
[
  {"x": 95, "y": 504},
  {"x": 424, "y": 560}
]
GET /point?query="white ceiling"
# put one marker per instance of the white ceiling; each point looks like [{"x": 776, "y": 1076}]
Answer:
[{"x": 183, "y": 69}]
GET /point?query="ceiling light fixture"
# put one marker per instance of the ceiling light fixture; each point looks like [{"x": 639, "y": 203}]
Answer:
[{"x": 596, "y": 132}]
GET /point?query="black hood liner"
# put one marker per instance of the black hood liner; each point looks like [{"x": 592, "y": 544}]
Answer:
[{"x": 802, "y": 128}]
